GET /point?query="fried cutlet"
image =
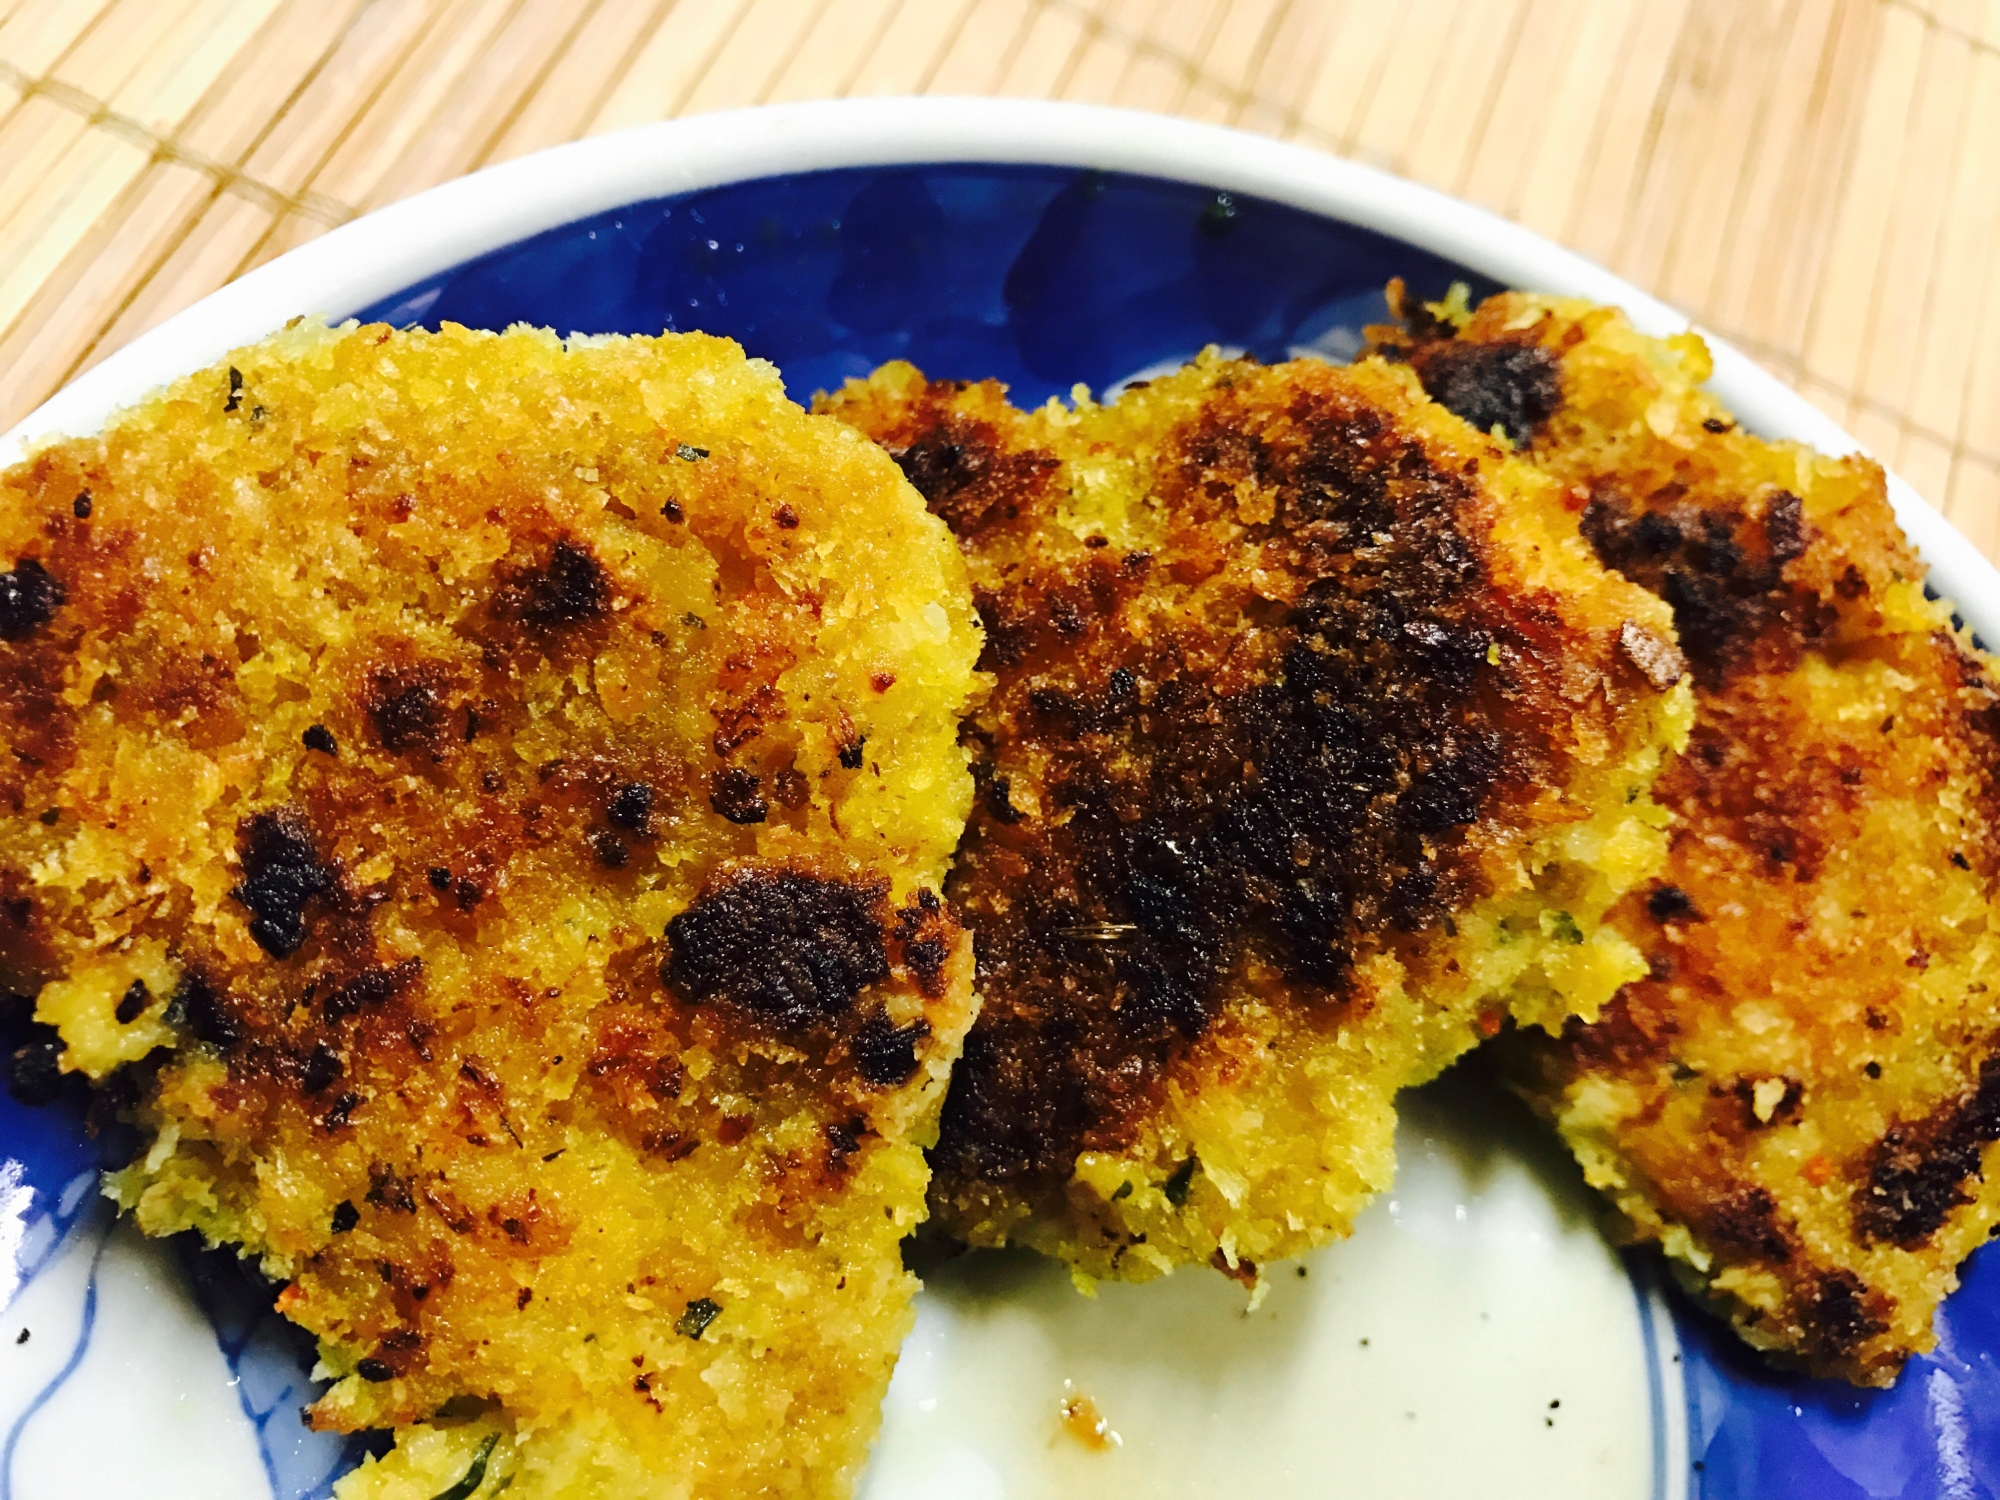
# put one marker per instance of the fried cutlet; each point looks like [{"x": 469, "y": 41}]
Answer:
[
  {"x": 1799, "y": 1099},
  {"x": 477, "y": 803},
  {"x": 1320, "y": 743}
]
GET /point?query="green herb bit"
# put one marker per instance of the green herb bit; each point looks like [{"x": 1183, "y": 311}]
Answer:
[
  {"x": 1123, "y": 1191},
  {"x": 1562, "y": 927},
  {"x": 235, "y": 389},
  {"x": 475, "y": 1476},
  {"x": 1176, "y": 1186},
  {"x": 694, "y": 1322}
]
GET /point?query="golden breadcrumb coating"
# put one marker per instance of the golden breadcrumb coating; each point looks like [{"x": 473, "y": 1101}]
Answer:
[
  {"x": 479, "y": 800},
  {"x": 1320, "y": 742},
  {"x": 1800, "y": 1100}
]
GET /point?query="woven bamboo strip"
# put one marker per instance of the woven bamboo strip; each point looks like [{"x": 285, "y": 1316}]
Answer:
[{"x": 1814, "y": 177}]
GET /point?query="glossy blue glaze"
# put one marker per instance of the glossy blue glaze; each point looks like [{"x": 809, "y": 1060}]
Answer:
[{"x": 1044, "y": 278}]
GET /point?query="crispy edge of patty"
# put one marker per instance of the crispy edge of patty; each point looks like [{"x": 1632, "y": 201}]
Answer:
[
  {"x": 1156, "y": 565},
  {"x": 1799, "y": 1101}
]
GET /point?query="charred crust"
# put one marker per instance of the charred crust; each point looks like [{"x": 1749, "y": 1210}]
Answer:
[
  {"x": 925, "y": 932},
  {"x": 370, "y": 989},
  {"x": 281, "y": 874},
  {"x": 967, "y": 475},
  {"x": 323, "y": 1069},
  {"x": 784, "y": 947},
  {"x": 612, "y": 852},
  {"x": 1669, "y": 903},
  {"x": 885, "y": 1054},
  {"x": 1302, "y": 808},
  {"x": 1843, "y": 1314},
  {"x": 132, "y": 1004},
  {"x": 850, "y": 753},
  {"x": 29, "y": 597},
  {"x": 1744, "y": 1222},
  {"x": 1920, "y": 1168},
  {"x": 320, "y": 738},
  {"x": 631, "y": 807},
  {"x": 345, "y": 1217},
  {"x": 1721, "y": 570},
  {"x": 205, "y": 1011},
  {"x": 389, "y": 1190},
  {"x": 407, "y": 707},
  {"x": 733, "y": 793},
  {"x": 567, "y": 588},
  {"x": 1513, "y": 386}
]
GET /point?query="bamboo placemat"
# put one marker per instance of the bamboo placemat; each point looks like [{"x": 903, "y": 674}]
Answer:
[{"x": 1818, "y": 180}]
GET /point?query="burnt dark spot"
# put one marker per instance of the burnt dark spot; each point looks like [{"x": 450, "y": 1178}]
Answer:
[
  {"x": 885, "y": 1054},
  {"x": 1669, "y": 903},
  {"x": 373, "y": 1370},
  {"x": 1722, "y": 571},
  {"x": 80, "y": 507},
  {"x": 1301, "y": 807},
  {"x": 282, "y": 873},
  {"x": 1785, "y": 526},
  {"x": 631, "y": 807},
  {"x": 132, "y": 1004},
  {"x": 341, "y": 1115},
  {"x": 790, "y": 789},
  {"x": 1716, "y": 424},
  {"x": 345, "y": 1216},
  {"x": 34, "y": 1069},
  {"x": 320, "y": 738},
  {"x": 29, "y": 599},
  {"x": 323, "y": 1069},
  {"x": 850, "y": 753},
  {"x": 968, "y": 477},
  {"x": 733, "y": 793},
  {"x": 787, "y": 947},
  {"x": 1920, "y": 1169},
  {"x": 369, "y": 989},
  {"x": 672, "y": 511},
  {"x": 612, "y": 851},
  {"x": 204, "y": 1011},
  {"x": 1872, "y": 1069},
  {"x": 439, "y": 878},
  {"x": 389, "y": 1190},
  {"x": 787, "y": 518},
  {"x": 407, "y": 708},
  {"x": 235, "y": 398},
  {"x": 1844, "y": 1314},
  {"x": 843, "y": 1139},
  {"x": 1515, "y": 387},
  {"x": 569, "y": 588},
  {"x": 1744, "y": 1222}
]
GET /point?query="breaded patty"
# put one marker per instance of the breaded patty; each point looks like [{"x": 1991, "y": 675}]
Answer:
[
  {"x": 1800, "y": 1099},
  {"x": 1320, "y": 743},
  {"x": 479, "y": 802}
]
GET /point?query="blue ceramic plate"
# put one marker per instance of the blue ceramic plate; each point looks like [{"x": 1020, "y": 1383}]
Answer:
[{"x": 1476, "y": 1336}]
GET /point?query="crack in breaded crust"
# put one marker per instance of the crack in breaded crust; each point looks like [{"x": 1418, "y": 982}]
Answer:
[
  {"x": 1314, "y": 747},
  {"x": 1799, "y": 1099},
  {"x": 478, "y": 802}
]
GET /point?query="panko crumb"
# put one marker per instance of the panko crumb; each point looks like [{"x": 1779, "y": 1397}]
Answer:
[
  {"x": 1320, "y": 743},
  {"x": 502, "y": 788},
  {"x": 1800, "y": 1099}
]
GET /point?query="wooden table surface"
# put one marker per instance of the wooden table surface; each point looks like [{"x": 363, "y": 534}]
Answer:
[{"x": 1818, "y": 180}]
